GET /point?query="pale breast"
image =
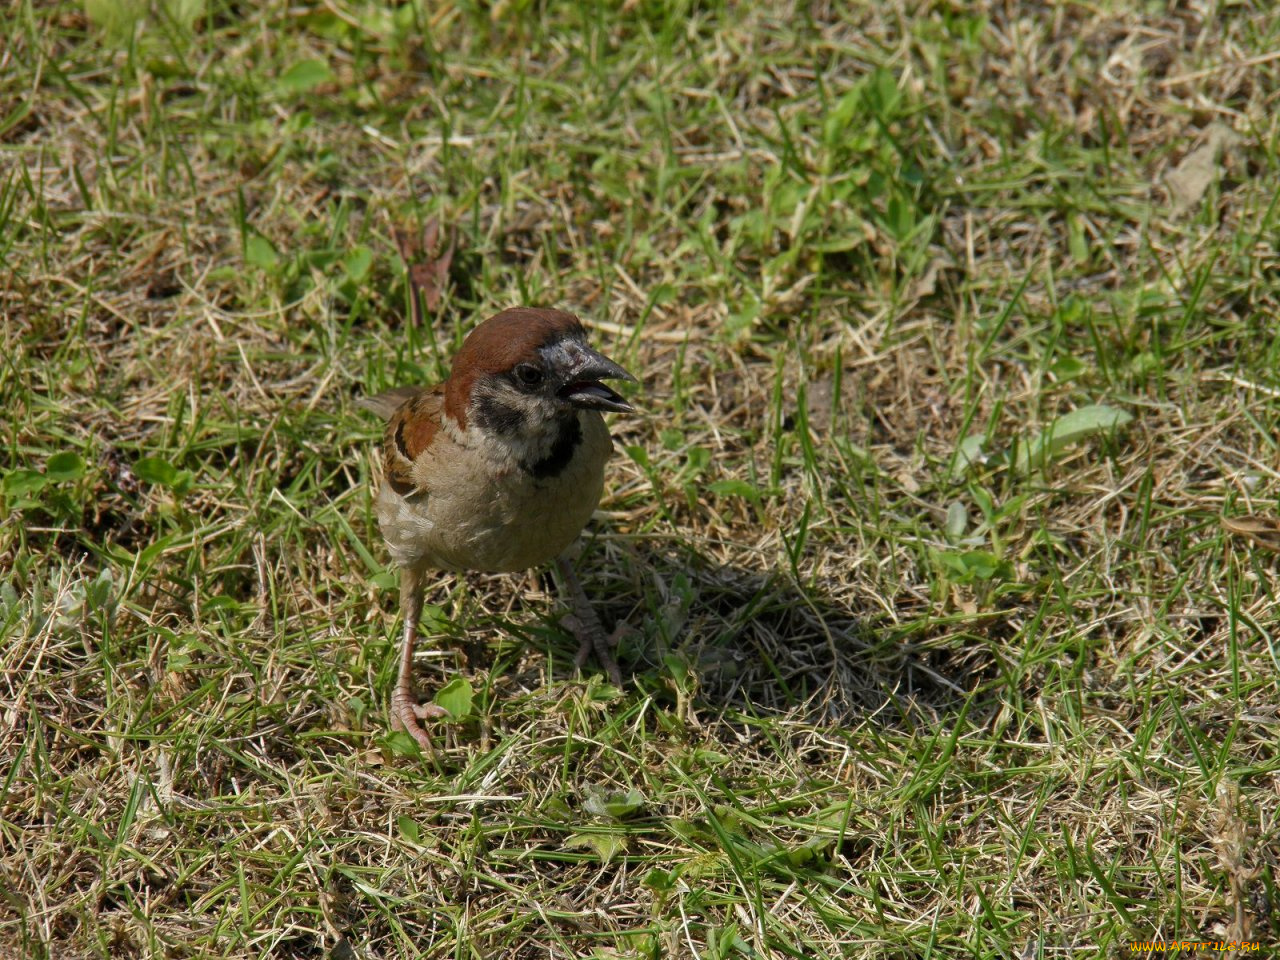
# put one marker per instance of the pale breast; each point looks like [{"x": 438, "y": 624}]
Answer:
[{"x": 511, "y": 519}]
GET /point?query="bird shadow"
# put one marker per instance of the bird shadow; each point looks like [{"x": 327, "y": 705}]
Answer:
[
  {"x": 725, "y": 640},
  {"x": 741, "y": 640}
]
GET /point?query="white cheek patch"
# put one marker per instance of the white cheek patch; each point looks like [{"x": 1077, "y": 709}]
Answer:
[
  {"x": 508, "y": 426},
  {"x": 501, "y": 406}
]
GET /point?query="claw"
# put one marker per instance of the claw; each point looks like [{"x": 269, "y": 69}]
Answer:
[
  {"x": 585, "y": 625},
  {"x": 407, "y": 716}
]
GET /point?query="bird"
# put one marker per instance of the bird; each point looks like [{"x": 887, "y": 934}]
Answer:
[{"x": 497, "y": 470}]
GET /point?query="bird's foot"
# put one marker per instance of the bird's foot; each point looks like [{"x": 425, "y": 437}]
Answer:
[
  {"x": 407, "y": 715},
  {"x": 593, "y": 639}
]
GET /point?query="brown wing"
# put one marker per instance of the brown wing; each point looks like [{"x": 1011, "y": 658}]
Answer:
[
  {"x": 413, "y": 424},
  {"x": 389, "y": 401}
]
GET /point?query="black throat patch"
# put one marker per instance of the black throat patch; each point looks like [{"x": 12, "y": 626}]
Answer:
[{"x": 567, "y": 440}]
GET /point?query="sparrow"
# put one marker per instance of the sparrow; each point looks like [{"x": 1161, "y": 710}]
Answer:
[{"x": 497, "y": 469}]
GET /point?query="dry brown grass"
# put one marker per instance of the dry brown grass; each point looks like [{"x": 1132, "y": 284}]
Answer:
[{"x": 886, "y": 699}]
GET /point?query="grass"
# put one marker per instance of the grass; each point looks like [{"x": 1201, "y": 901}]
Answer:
[{"x": 943, "y": 649}]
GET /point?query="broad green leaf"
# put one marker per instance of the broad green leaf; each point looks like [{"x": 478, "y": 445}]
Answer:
[
  {"x": 116, "y": 18},
  {"x": 813, "y": 853},
  {"x": 409, "y": 829},
  {"x": 433, "y": 618},
  {"x": 713, "y": 758},
  {"x": 455, "y": 696},
  {"x": 67, "y": 465},
  {"x": 614, "y": 805},
  {"x": 357, "y": 263},
  {"x": 258, "y": 252},
  {"x": 402, "y": 744},
  {"x": 697, "y": 459},
  {"x": 182, "y": 483},
  {"x": 660, "y": 880},
  {"x": 155, "y": 470},
  {"x": 305, "y": 75},
  {"x": 734, "y": 488},
  {"x": 98, "y": 593},
  {"x": 1068, "y": 368},
  {"x": 601, "y": 691},
  {"x": 606, "y": 845},
  {"x": 319, "y": 259},
  {"x": 160, "y": 471},
  {"x": 358, "y": 708},
  {"x": 557, "y": 809},
  {"x": 957, "y": 520},
  {"x": 1071, "y": 428},
  {"x": 973, "y": 566},
  {"x": 21, "y": 483},
  {"x": 384, "y": 580},
  {"x": 686, "y": 830}
]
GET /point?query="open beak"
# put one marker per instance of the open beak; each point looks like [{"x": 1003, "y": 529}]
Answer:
[{"x": 583, "y": 388}]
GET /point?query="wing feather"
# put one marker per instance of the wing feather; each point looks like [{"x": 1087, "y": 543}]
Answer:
[
  {"x": 389, "y": 401},
  {"x": 413, "y": 421}
]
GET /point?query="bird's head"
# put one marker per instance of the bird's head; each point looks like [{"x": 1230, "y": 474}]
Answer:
[{"x": 525, "y": 368}]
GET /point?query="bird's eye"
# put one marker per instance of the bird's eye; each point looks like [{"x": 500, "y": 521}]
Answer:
[{"x": 528, "y": 374}]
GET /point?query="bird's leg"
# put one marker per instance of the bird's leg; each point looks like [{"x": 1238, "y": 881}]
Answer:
[
  {"x": 586, "y": 626},
  {"x": 406, "y": 713}
]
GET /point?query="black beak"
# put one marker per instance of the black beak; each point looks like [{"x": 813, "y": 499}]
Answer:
[{"x": 582, "y": 386}]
